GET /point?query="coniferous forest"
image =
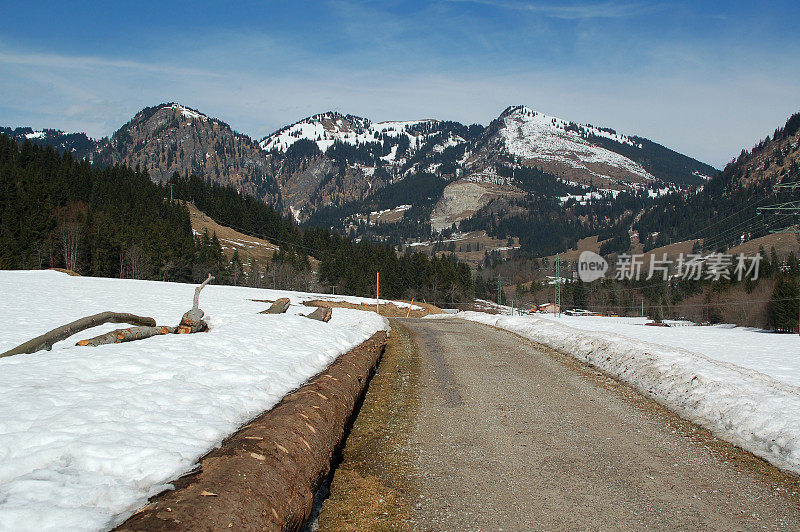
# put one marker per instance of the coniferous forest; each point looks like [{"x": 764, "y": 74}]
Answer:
[{"x": 56, "y": 212}]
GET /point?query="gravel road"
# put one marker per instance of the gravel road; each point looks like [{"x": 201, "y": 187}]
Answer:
[{"x": 513, "y": 436}]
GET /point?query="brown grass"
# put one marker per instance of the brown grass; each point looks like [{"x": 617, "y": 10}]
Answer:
[
  {"x": 387, "y": 308},
  {"x": 231, "y": 240},
  {"x": 373, "y": 488},
  {"x": 68, "y": 272}
]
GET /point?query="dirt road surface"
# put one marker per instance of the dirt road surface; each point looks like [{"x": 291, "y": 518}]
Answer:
[{"x": 512, "y": 436}]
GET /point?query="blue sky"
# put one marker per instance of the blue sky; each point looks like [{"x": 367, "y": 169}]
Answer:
[{"x": 705, "y": 78}]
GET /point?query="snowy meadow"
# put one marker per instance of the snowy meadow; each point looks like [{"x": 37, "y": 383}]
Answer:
[{"x": 88, "y": 434}]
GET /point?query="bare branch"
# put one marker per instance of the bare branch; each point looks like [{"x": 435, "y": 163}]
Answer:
[{"x": 197, "y": 290}]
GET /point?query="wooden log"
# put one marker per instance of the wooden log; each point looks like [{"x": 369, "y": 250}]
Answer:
[
  {"x": 321, "y": 314},
  {"x": 126, "y": 335},
  {"x": 192, "y": 322},
  {"x": 279, "y": 307},
  {"x": 264, "y": 477},
  {"x": 47, "y": 340}
]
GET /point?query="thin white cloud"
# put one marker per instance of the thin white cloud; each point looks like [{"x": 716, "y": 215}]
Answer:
[
  {"x": 60, "y": 61},
  {"x": 697, "y": 100},
  {"x": 574, "y": 11}
]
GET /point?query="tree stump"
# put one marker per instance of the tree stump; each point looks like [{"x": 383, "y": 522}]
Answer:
[
  {"x": 278, "y": 307},
  {"x": 321, "y": 314}
]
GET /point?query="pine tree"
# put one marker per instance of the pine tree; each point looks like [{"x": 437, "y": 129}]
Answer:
[{"x": 783, "y": 306}]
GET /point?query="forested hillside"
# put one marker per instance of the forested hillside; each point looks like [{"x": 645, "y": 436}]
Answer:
[
  {"x": 116, "y": 222},
  {"x": 347, "y": 265},
  {"x": 77, "y": 144},
  {"x": 723, "y": 210},
  {"x": 338, "y": 170},
  {"x": 112, "y": 222}
]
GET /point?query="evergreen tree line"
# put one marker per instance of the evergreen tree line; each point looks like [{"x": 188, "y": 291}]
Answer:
[
  {"x": 546, "y": 226},
  {"x": 116, "y": 222},
  {"x": 108, "y": 222},
  {"x": 732, "y": 195},
  {"x": 349, "y": 266}
]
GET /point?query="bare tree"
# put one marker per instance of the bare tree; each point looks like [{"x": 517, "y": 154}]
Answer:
[
  {"x": 136, "y": 262},
  {"x": 70, "y": 235}
]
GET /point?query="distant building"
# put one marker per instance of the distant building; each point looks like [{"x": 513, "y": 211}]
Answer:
[{"x": 546, "y": 308}]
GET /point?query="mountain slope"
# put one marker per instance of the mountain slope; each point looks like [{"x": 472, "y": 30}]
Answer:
[
  {"x": 172, "y": 138},
  {"x": 331, "y": 159},
  {"x": 77, "y": 144},
  {"x": 723, "y": 211},
  {"x": 585, "y": 153}
]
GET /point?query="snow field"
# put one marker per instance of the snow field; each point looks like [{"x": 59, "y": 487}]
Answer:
[
  {"x": 738, "y": 404},
  {"x": 88, "y": 434},
  {"x": 529, "y": 134}
]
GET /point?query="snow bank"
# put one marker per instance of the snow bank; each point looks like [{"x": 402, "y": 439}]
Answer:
[
  {"x": 88, "y": 434},
  {"x": 739, "y": 405},
  {"x": 776, "y": 355}
]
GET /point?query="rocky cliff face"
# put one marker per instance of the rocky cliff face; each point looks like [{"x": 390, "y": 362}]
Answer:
[{"x": 172, "y": 138}]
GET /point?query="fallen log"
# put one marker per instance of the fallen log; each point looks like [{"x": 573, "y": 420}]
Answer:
[
  {"x": 264, "y": 476},
  {"x": 126, "y": 335},
  {"x": 321, "y": 314},
  {"x": 191, "y": 322},
  {"x": 278, "y": 307},
  {"x": 47, "y": 340}
]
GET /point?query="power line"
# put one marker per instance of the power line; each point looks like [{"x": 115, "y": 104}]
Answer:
[{"x": 791, "y": 208}]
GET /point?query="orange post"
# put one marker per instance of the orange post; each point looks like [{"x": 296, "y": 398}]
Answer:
[
  {"x": 378, "y": 292},
  {"x": 409, "y": 308}
]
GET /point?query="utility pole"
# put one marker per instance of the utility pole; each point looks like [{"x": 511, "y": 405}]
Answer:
[
  {"x": 499, "y": 289},
  {"x": 557, "y": 307},
  {"x": 789, "y": 207}
]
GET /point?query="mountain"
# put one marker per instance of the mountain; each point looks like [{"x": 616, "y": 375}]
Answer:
[
  {"x": 77, "y": 144},
  {"x": 723, "y": 211},
  {"x": 332, "y": 159},
  {"x": 399, "y": 181},
  {"x": 58, "y": 212},
  {"x": 356, "y": 157},
  {"x": 586, "y": 153},
  {"x": 172, "y": 138}
]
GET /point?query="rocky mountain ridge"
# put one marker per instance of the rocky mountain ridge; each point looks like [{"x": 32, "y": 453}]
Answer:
[{"x": 334, "y": 169}]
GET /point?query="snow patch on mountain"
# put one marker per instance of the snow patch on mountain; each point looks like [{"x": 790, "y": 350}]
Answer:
[
  {"x": 188, "y": 113},
  {"x": 529, "y": 134}
]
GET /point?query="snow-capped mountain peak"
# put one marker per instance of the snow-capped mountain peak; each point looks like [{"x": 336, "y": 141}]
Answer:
[
  {"x": 566, "y": 147},
  {"x": 326, "y": 128},
  {"x": 556, "y": 124}
]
